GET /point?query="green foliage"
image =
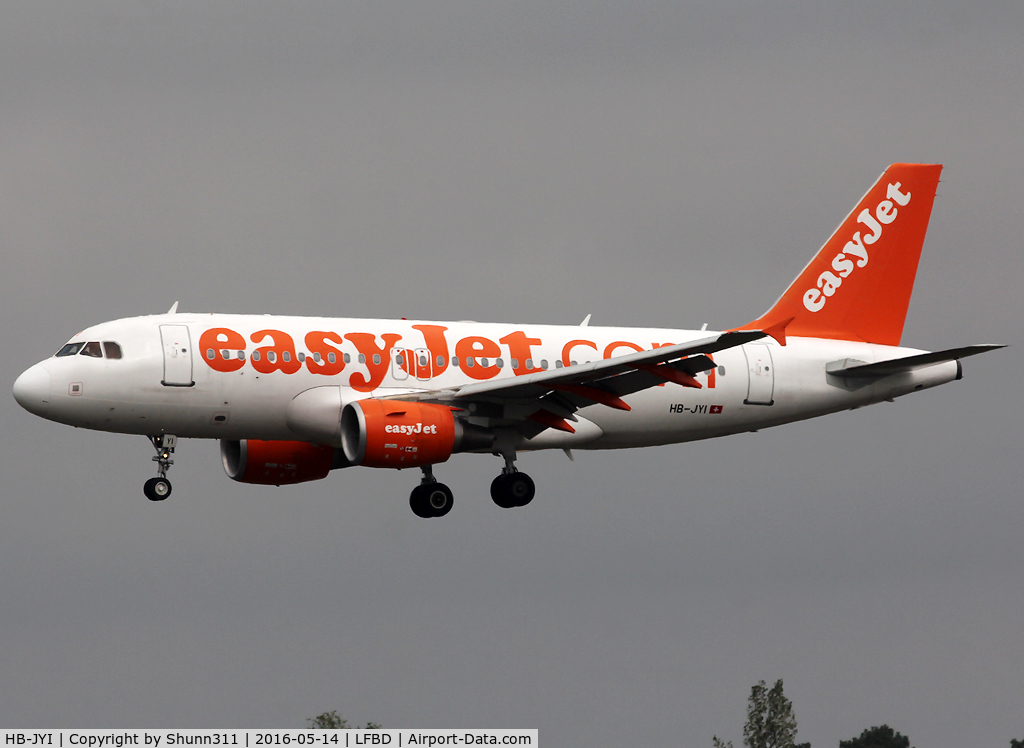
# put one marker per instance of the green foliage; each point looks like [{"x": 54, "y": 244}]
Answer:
[
  {"x": 331, "y": 721},
  {"x": 1016, "y": 743},
  {"x": 878, "y": 737},
  {"x": 328, "y": 721},
  {"x": 770, "y": 720},
  {"x": 716, "y": 743}
]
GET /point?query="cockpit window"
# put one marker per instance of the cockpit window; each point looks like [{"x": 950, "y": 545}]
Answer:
[
  {"x": 112, "y": 349},
  {"x": 69, "y": 350},
  {"x": 92, "y": 348}
]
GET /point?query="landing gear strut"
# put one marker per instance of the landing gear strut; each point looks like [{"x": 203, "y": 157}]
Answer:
[
  {"x": 512, "y": 488},
  {"x": 430, "y": 498},
  {"x": 159, "y": 488}
]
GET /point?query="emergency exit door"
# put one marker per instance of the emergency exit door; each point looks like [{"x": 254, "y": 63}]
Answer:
[{"x": 415, "y": 361}]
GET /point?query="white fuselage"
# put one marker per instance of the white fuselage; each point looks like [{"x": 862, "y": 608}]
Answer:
[{"x": 175, "y": 376}]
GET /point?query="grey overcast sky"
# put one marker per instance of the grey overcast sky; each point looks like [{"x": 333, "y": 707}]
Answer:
[{"x": 652, "y": 164}]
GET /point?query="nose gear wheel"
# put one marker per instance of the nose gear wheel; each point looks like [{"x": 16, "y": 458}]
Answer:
[{"x": 159, "y": 488}]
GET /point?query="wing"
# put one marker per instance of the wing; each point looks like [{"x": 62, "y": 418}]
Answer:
[{"x": 549, "y": 399}]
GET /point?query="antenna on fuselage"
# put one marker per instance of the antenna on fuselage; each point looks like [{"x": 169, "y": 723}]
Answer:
[
  {"x": 173, "y": 309},
  {"x": 585, "y": 322}
]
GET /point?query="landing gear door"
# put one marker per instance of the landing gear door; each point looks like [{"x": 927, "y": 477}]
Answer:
[
  {"x": 177, "y": 356},
  {"x": 760, "y": 374}
]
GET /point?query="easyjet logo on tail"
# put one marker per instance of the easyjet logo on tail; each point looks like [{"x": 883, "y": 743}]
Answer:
[{"x": 857, "y": 248}]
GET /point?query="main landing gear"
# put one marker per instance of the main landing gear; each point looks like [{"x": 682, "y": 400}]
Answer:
[
  {"x": 159, "y": 488},
  {"x": 433, "y": 499},
  {"x": 430, "y": 498},
  {"x": 512, "y": 488}
]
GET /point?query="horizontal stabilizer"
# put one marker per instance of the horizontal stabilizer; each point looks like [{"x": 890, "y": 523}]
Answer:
[{"x": 900, "y": 365}]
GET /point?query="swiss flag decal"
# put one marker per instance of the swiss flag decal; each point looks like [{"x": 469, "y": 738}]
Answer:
[{"x": 715, "y": 409}]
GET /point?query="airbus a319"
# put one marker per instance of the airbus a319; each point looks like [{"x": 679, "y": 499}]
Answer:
[{"x": 292, "y": 398}]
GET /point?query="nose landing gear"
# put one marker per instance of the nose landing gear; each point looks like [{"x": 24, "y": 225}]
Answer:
[
  {"x": 159, "y": 488},
  {"x": 430, "y": 498}
]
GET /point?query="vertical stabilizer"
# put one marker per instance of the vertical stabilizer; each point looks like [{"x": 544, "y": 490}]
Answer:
[{"x": 858, "y": 286}]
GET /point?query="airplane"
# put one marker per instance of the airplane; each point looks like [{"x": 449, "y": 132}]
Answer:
[{"x": 292, "y": 398}]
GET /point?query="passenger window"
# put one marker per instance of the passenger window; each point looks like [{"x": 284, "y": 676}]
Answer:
[
  {"x": 92, "y": 349},
  {"x": 112, "y": 349},
  {"x": 455, "y": 361},
  {"x": 440, "y": 361},
  {"x": 331, "y": 358},
  {"x": 346, "y": 358},
  {"x": 362, "y": 358},
  {"x": 376, "y": 359},
  {"x": 69, "y": 350}
]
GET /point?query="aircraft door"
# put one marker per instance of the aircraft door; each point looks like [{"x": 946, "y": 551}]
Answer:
[
  {"x": 760, "y": 374},
  {"x": 177, "y": 356}
]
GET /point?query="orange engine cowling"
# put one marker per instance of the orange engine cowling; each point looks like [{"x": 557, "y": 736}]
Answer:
[
  {"x": 396, "y": 434},
  {"x": 275, "y": 463}
]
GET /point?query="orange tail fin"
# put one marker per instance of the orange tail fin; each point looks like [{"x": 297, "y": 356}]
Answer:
[{"x": 858, "y": 286}]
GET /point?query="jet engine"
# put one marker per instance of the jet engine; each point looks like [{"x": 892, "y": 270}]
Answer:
[
  {"x": 397, "y": 434},
  {"x": 275, "y": 463}
]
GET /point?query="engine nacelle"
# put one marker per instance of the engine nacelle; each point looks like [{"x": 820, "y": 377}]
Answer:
[
  {"x": 396, "y": 434},
  {"x": 275, "y": 463}
]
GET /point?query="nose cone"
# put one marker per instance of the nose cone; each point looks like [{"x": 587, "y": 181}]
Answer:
[{"x": 32, "y": 390}]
